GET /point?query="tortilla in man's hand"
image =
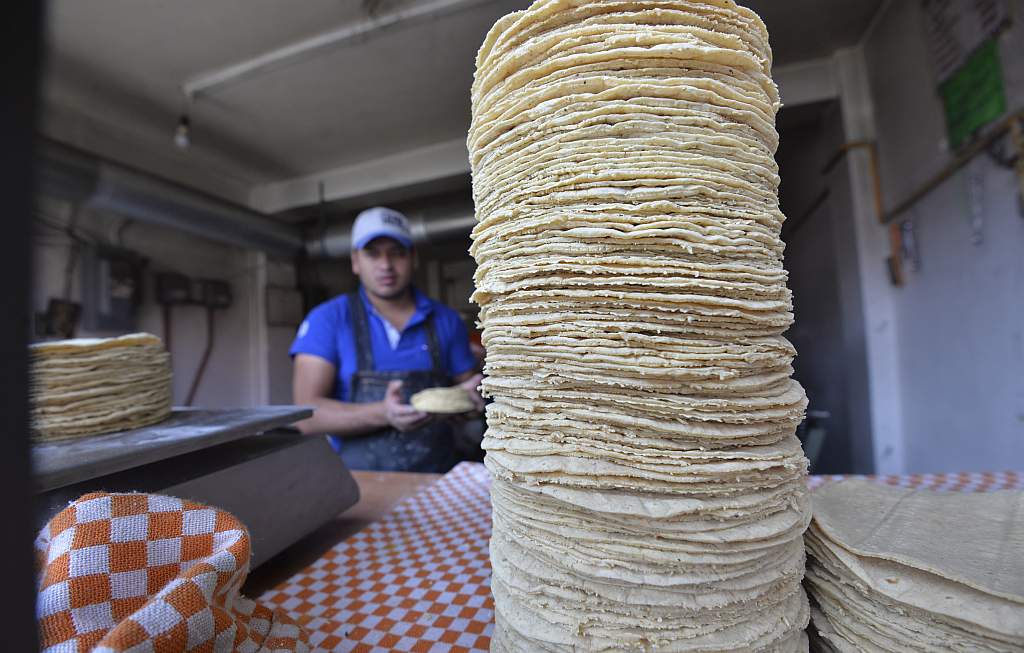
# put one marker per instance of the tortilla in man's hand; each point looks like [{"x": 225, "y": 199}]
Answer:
[{"x": 443, "y": 401}]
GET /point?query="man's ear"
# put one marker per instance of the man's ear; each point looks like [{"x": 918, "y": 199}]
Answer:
[{"x": 355, "y": 262}]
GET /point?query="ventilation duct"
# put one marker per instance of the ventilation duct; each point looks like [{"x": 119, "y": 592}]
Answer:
[
  {"x": 72, "y": 175},
  {"x": 433, "y": 227}
]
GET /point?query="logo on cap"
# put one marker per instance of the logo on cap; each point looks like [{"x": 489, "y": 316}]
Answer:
[
  {"x": 393, "y": 219},
  {"x": 380, "y": 221}
]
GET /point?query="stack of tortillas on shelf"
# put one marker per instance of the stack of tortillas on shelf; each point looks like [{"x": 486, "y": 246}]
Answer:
[
  {"x": 649, "y": 492},
  {"x": 893, "y": 569},
  {"x": 89, "y": 386}
]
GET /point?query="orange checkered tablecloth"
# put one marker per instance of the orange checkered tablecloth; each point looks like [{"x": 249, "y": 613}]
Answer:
[
  {"x": 957, "y": 482},
  {"x": 418, "y": 580}
]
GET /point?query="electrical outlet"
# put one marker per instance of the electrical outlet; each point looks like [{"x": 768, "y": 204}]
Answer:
[
  {"x": 215, "y": 293},
  {"x": 173, "y": 288},
  {"x": 112, "y": 285}
]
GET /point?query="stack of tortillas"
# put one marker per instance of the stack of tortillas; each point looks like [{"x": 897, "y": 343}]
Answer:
[
  {"x": 893, "y": 569},
  {"x": 649, "y": 492},
  {"x": 89, "y": 386}
]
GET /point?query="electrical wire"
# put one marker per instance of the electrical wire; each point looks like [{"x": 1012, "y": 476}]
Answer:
[
  {"x": 62, "y": 227},
  {"x": 165, "y": 311},
  {"x": 372, "y": 7},
  {"x": 201, "y": 370},
  {"x": 75, "y": 241},
  {"x": 73, "y": 253},
  {"x": 69, "y": 269}
]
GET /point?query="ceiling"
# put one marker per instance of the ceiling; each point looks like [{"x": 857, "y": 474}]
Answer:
[{"x": 116, "y": 70}]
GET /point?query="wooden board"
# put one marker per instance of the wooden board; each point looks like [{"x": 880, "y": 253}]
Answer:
[{"x": 58, "y": 464}]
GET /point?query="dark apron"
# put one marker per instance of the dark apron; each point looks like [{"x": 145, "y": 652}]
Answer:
[{"x": 427, "y": 449}]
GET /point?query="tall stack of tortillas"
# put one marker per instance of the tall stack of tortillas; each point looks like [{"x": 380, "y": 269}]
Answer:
[
  {"x": 89, "y": 386},
  {"x": 893, "y": 569},
  {"x": 648, "y": 487}
]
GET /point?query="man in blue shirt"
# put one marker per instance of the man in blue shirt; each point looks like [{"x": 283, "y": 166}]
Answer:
[{"x": 359, "y": 357}]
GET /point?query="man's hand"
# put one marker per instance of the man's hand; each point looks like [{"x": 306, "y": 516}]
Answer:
[
  {"x": 400, "y": 415},
  {"x": 471, "y": 386}
]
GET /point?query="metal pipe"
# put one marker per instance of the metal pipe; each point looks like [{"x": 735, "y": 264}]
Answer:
[
  {"x": 326, "y": 41},
  {"x": 66, "y": 173},
  {"x": 1017, "y": 135},
  {"x": 972, "y": 150},
  {"x": 895, "y": 233},
  {"x": 792, "y": 225},
  {"x": 335, "y": 240}
]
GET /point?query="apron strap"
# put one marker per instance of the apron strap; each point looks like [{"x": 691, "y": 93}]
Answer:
[
  {"x": 361, "y": 332},
  {"x": 364, "y": 346},
  {"x": 434, "y": 345}
]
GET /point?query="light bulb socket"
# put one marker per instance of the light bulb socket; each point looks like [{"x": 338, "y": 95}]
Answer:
[{"x": 183, "y": 133}]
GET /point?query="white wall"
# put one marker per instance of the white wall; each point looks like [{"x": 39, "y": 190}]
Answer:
[
  {"x": 235, "y": 376},
  {"x": 959, "y": 320}
]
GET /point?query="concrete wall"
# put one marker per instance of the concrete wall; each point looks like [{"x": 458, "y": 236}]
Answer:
[
  {"x": 821, "y": 259},
  {"x": 235, "y": 375},
  {"x": 279, "y": 340},
  {"x": 959, "y": 318}
]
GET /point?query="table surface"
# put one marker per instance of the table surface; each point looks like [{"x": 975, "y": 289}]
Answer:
[
  {"x": 418, "y": 577},
  {"x": 56, "y": 464},
  {"x": 379, "y": 492}
]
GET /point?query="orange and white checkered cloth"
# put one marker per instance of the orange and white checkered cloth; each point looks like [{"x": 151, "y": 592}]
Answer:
[{"x": 143, "y": 573}]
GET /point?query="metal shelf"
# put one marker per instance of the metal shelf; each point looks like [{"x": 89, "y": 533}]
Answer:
[{"x": 58, "y": 464}]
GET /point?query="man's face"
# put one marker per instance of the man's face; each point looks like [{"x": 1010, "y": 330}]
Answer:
[{"x": 384, "y": 267}]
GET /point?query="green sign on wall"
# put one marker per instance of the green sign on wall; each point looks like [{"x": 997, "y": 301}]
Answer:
[{"x": 973, "y": 96}]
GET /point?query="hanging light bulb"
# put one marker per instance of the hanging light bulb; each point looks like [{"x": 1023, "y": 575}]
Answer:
[{"x": 183, "y": 133}]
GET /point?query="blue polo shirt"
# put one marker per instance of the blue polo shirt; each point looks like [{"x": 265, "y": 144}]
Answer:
[{"x": 327, "y": 333}]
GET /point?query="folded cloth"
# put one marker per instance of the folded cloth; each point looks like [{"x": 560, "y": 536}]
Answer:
[{"x": 143, "y": 572}]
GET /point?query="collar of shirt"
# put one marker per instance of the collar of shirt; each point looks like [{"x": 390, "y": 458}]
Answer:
[{"x": 424, "y": 307}]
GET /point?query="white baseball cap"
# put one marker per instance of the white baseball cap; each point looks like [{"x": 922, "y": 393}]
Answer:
[{"x": 380, "y": 221}]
